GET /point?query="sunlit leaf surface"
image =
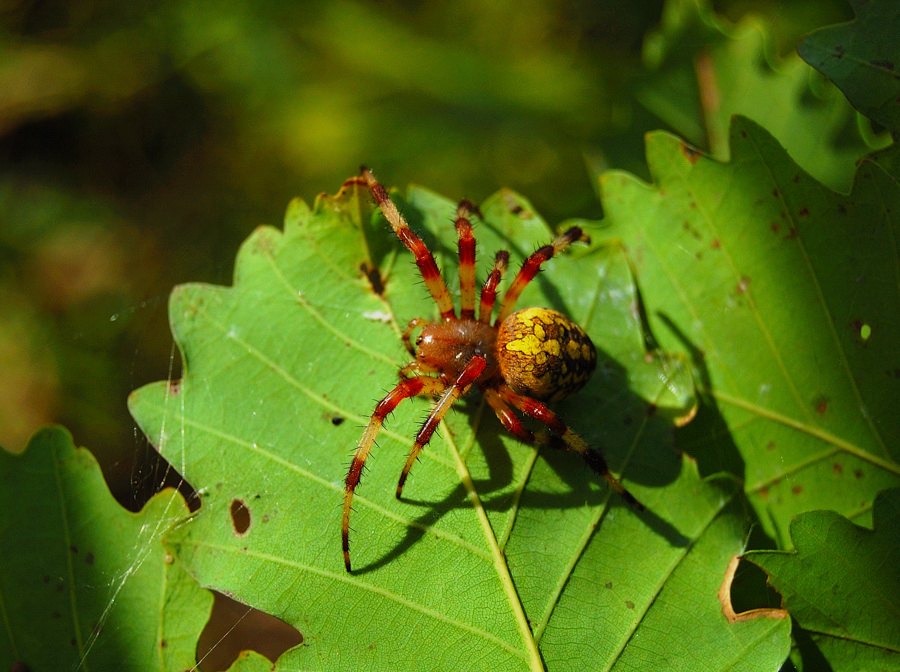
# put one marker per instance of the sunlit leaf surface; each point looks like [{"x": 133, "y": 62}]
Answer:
[
  {"x": 786, "y": 296},
  {"x": 499, "y": 556}
]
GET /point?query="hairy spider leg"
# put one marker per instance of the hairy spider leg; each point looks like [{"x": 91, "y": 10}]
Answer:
[
  {"x": 406, "y": 388},
  {"x": 509, "y": 419},
  {"x": 489, "y": 291},
  {"x": 424, "y": 259},
  {"x": 532, "y": 265},
  {"x": 466, "y": 260},
  {"x": 460, "y": 387},
  {"x": 570, "y": 440}
]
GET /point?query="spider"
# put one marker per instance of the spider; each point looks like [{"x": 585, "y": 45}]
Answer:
[{"x": 520, "y": 361}]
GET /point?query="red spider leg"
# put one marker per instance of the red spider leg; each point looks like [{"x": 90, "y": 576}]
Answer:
[
  {"x": 424, "y": 260},
  {"x": 466, "y": 260},
  {"x": 532, "y": 265},
  {"x": 460, "y": 387},
  {"x": 409, "y": 387},
  {"x": 571, "y": 441},
  {"x": 509, "y": 419},
  {"x": 489, "y": 291}
]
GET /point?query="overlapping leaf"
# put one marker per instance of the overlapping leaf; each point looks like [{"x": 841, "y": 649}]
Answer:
[
  {"x": 704, "y": 70},
  {"x": 499, "y": 557},
  {"x": 786, "y": 295},
  {"x": 86, "y": 584},
  {"x": 842, "y": 582},
  {"x": 863, "y": 58}
]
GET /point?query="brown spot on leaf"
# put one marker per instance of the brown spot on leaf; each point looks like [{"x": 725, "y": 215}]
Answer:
[
  {"x": 687, "y": 226},
  {"x": 775, "y": 193},
  {"x": 715, "y": 244},
  {"x": 821, "y": 405},
  {"x": 629, "y": 604},
  {"x": 89, "y": 558},
  {"x": 838, "y": 468},
  {"x": 743, "y": 285},
  {"x": 797, "y": 489},
  {"x": 337, "y": 421},
  {"x": 858, "y": 473},
  {"x": 174, "y": 387},
  {"x": 804, "y": 212},
  {"x": 690, "y": 153}
]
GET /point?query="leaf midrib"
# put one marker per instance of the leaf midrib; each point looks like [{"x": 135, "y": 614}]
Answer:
[{"x": 343, "y": 577}]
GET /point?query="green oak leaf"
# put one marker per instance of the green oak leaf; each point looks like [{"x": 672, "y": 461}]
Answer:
[
  {"x": 841, "y": 584},
  {"x": 862, "y": 58},
  {"x": 786, "y": 295},
  {"x": 86, "y": 584},
  {"x": 499, "y": 556},
  {"x": 704, "y": 70}
]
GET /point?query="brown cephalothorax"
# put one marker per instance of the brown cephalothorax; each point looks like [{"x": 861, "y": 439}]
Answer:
[{"x": 519, "y": 361}]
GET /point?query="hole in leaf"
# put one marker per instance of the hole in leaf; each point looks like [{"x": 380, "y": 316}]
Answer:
[
  {"x": 865, "y": 331},
  {"x": 234, "y": 627},
  {"x": 240, "y": 517},
  {"x": 739, "y": 593}
]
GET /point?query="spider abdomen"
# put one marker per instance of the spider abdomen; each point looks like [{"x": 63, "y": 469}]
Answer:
[{"x": 543, "y": 354}]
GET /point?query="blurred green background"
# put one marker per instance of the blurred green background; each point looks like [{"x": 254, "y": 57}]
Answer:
[{"x": 141, "y": 142}]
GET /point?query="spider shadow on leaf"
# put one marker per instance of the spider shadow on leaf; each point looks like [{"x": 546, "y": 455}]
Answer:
[{"x": 574, "y": 484}]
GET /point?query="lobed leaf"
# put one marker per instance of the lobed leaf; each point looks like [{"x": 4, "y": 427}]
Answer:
[
  {"x": 841, "y": 584},
  {"x": 863, "y": 59},
  {"x": 499, "y": 556},
  {"x": 704, "y": 70},
  {"x": 85, "y": 584},
  {"x": 785, "y": 294}
]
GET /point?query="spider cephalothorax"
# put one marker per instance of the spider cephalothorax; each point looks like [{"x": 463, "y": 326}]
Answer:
[{"x": 519, "y": 361}]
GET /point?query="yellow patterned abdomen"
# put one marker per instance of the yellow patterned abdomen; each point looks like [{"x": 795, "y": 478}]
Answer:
[{"x": 543, "y": 354}]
